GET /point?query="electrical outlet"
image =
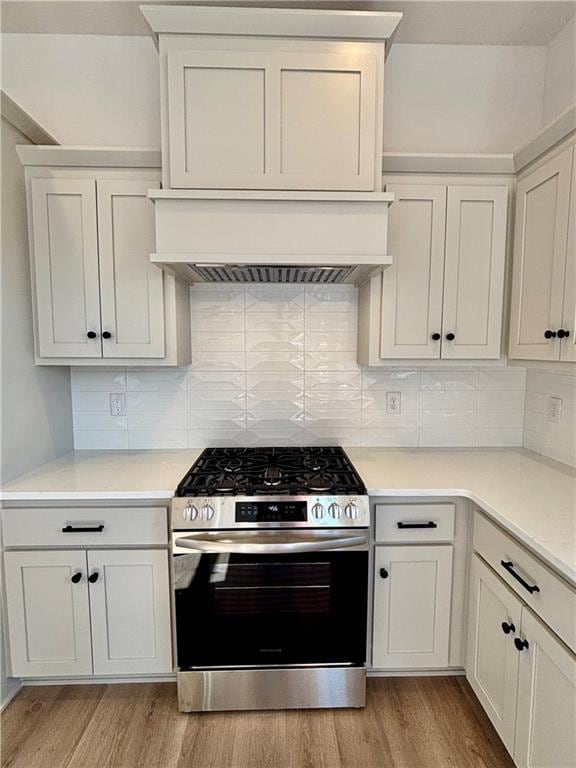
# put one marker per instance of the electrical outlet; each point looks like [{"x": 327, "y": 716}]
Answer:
[
  {"x": 118, "y": 405},
  {"x": 393, "y": 402},
  {"x": 554, "y": 409}
]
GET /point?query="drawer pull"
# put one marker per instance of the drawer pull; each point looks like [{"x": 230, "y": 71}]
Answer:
[
  {"x": 507, "y": 628},
  {"x": 79, "y": 529},
  {"x": 76, "y": 577},
  {"x": 509, "y": 566},
  {"x": 383, "y": 573},
  {"x": 520, "y": 644},
  {"x": 429, "y": 524},
  {"x": 93, "y": 578}
]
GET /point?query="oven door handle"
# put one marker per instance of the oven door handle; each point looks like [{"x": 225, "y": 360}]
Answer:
[{"x": 244, "y": 546}]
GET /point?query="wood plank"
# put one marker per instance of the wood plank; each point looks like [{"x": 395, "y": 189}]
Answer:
[{"x": 417, "y": 722}]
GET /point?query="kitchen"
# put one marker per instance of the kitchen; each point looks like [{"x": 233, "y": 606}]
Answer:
[{"x": 289, "y": 384}]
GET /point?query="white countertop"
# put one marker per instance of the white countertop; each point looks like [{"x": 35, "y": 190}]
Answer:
[{"x": 534, "y": 498}]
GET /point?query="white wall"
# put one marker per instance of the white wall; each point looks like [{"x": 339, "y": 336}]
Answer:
[
  {"x": 560, "y": 83},
  {"x": 556, "y": 440},
  {"x": 102, "y": 90}
]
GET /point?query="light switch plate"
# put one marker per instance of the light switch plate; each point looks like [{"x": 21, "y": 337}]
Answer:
[
  {"x": 118, "y": 405},
  {"x": 554, "y": 409},
  {"x": 393, "y": 402}
]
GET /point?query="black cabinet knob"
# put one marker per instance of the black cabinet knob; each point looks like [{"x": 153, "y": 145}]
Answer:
[
  {"x": 435, "y": 337},
  {"x": 76, "y": 577},
  {"x": 384, "y": 573},
  {"x": 549, "y": 334},
  {"x": 507, "y": 628},
  {"x": 93, "y": 578},
  {"x": 562, "y": 334},
  {"x": 520, "y": 644},
  {"x": 450, "y": 336},
  {"x": 106, "y": 335},
  {"x": 91, "y": 334}
]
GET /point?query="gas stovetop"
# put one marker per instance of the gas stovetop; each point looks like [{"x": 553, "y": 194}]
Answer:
[{"x": 271, "y": 472}]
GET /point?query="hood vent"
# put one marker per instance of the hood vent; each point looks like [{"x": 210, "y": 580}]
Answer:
[{"x": 270, "y": 273}]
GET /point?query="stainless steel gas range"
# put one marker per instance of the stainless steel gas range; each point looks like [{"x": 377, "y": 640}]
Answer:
[{"x": 270, "y": 566}]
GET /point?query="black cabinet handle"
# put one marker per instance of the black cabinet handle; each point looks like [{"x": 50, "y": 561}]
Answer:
[
  {"x": 78, "y": 529},
  {"x": 436, "y": 337},
  {"x": 549, "y": 334},
  {"x": 508, "y": 565},
  {"x": 91, "y": 334},
  {"x": 384, "y": 573},
  {"x": 450, "y": 336},
  {"x": 520, "y": 644},
  {"x": 507, "y": 628},
  {"x": 562, "y": 334},
  {"x": 106, "y": 335},
  {"x": 429, "y": 524},
  {"x": 76, "y": 577},
  {"x": 93, "y": 578}
]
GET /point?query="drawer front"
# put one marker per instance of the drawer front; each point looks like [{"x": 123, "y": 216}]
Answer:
[
  {"x": 547, "y": 594},
  {"x": 414, "y": 523},
  {"x": 84, "y": 526}
]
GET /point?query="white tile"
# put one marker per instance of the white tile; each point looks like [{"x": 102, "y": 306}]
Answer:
[
  {"x": 447, "y": 437},
  {"x": 274, "y": 361},
  {"x": 281, "y": 321},
  {"x": 205, "y": 299},
  {"x": 100, "y": 439},
  {"x": 513, "y": 418},
  {"x": 274, "y": 342},
  {"x": 280, "y": 381},
  {"x": 557, "y": 384},
  {"x": 220, "y": 399},
  {"x": 218, "y": 361},
  {"x": 331, "y": 322},
  {"x": 217, "y": 320},
  {"x": 537, "y": 402},
  {"x": 331, "y": 398},
  {"x": 391, "y": 380},
  {"x": 155, "y": 381},
  {"x": 507, "y": 378},
  {"x": 499, "y": 436},
  {"x": 218, "y": 342},
  {"x": 270, "y": 401},
  {"x": 335, "y": 298},
  {"x": 216, "y": 419},
  {"x": 207, "y": 438},
  {"x": 390, "y": 437},
  {"x": 446, "y": 419},
  {"x": 99, "y": 381},
  {"x": 448, "y": 401},
  {"x": 231, "y": 381},
  {"x": 336, "y": 436},
  {"x": 409, "y": 399},
  {"x": 338, "y": 380},
  {"x": 533, "y": 440},
  {"x": 278, "y": 437},
  {"x": 155, "y": 401},
  {"x": 452, "y": 380},
  {"x": 274, "y": 298},
  {"x": 377, "y": 418},
  {"x": 90, "y": 401},
  {"x": 162, "y": 420},
  {"x": 330, "y": 342},
  {"x": 331, "y": 361},
  {"x": 158, "y": 438},
  {"x": 277, "y": 420},
  {"x": 98, "y": 420},
  {"x": 333, "y": 418},
  {"x": 500, "y": 400}
]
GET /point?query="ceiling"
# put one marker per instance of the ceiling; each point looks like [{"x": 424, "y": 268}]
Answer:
[{"x": 466, "y": 22}]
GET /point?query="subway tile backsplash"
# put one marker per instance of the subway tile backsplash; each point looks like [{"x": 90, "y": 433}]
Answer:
[
  {"x": 557, "y": 440},
  {"x": 276, "y": 365}
]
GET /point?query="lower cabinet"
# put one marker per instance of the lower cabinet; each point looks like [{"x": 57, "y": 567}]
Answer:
[
  {"x": 524, "y": 677},
  {"x": 80, "y": 612},
  {"x": 412, "y": 595}
]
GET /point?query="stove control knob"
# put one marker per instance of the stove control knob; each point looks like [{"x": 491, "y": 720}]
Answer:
[
  {"x": 335, "y": 510},
  {"x": 190, "y": 513},
  {"x": 207, "y": 512},
  {"x": 318, "y": 511},
  {"x": 351, "y": 511}
]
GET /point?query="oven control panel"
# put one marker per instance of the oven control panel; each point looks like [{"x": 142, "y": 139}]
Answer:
[{"x": 222, "y": 512}]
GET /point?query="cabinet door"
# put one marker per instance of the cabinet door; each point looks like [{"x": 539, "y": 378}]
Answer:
[
  {"x": 492, "y": 660},
  {"x": 130, "y": 606},
  {"x": 540, "y": 234},
  {"x": 412, "y": 285},
  {"x": 271, "y": 120},
  {"x": 412, "y": 595},
  {"x": 48, "y": 613},
  {"x": 568, "y": 345},
  {"x": 131, "y": 286},
  {"x": 66, "y": 267},
  {"x": 546, "y": 713},
  {"x": 474, "y": 271}
]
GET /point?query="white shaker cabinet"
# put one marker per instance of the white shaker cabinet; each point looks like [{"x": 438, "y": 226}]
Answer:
[
  {"x": 442, "y": 296},
  {"x": 568, "y": 344},
  {"x": 412, "y": 596},
  {"x": 544, "y": 256},
  {"x": 48, "y": 613},
  {"x": 270, "y": 119}
]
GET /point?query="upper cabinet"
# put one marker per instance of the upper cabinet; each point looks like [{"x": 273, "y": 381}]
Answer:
[
  {"x": 442, "y": 297},
  {"x": 542, "y": 323},
  {"x": 98, "y": 298},
  {"x": 271, "y": 99}
]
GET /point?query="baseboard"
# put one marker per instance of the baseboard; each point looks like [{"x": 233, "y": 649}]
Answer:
[
  {"x": 449, "y": 672},
  {"x": 14, "y": 692},
  {"x": 99, "y": 680}
]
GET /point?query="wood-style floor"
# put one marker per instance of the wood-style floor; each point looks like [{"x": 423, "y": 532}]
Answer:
[{"x": 426, "y": 722}]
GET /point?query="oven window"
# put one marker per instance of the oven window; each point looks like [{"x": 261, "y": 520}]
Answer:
[{"x": 244, "y": 610}]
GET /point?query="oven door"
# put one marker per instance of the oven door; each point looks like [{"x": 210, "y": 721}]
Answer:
[{"x": 270, "y": 598}]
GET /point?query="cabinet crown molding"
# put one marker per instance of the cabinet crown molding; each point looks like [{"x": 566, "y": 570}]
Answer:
[{"x": 89, "y": 157}]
